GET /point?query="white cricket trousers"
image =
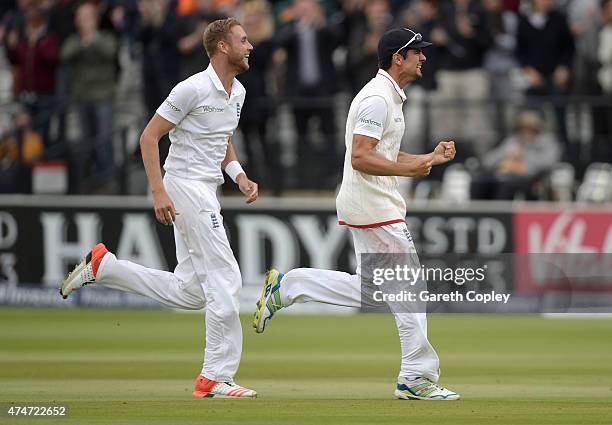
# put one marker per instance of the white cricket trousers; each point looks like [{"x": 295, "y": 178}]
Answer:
[
  {"x": 206, "y": 276},
  {"x": 419, "y": 359}
]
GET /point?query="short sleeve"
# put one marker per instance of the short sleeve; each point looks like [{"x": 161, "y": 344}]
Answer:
[
  {"x": 371, "y": 116},
  {"x": 181, "y": 100}
]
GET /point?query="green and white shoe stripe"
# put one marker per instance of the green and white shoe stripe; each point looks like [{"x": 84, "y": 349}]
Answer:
[
  {"x": 270, "y": 300},
  {"x": 274, "y": 300},
  {"x": 424, "y": 389}
]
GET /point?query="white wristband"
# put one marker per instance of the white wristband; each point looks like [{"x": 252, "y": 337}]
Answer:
[{"x": 233, "y": 170}]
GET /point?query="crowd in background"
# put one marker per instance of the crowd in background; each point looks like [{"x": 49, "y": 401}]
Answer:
[{"x": 493, "y": 62}]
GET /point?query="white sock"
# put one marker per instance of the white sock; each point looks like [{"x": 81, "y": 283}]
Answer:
[{"x": 407, "y": 380}]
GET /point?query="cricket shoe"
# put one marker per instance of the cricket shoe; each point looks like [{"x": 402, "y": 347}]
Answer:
[
  {"x": 85, "y": 272},
  {"x": 206, "y": 388},
  {"x": 269, "y": 302},
  {"x": 423, "y": 389}
]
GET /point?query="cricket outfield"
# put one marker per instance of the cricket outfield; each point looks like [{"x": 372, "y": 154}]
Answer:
[{"x": 138, "y": 367}]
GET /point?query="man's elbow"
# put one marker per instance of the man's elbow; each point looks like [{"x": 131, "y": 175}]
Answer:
[
  {"x": 357, "y": 162},
  {"x": 146, "y": 139}
]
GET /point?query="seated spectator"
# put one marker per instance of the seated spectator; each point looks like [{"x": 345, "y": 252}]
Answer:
[
  {"x": 91, "y": 53},
  {"x": 519, "y": 161}
]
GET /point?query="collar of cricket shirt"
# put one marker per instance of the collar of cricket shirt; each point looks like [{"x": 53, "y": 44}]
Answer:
[
  {"x": 397, "y": 88},
  {"x": 218, "y": 84}
]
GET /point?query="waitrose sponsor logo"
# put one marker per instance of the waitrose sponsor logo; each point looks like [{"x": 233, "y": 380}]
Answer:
[
  {"x": 172, "y": 106},
  {"x": 207, "y": 108},
  {"x": 370, "y": 122}
]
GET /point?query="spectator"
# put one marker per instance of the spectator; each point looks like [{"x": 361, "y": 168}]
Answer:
[
  {"x": 424, "y": 17},
  {"x": 520, "y": 160},
  {"x": 499, "y": 60},
  {"x": 61, "y": 18},
  {"x": 34, "y": 50},
  {"x": 257, "y": 108},
  {"x": 585, "y": 23},
  {"x": 11, "y": 17},
  {"x": 604, "y": 54},
  {"x": 91, "y": 53},
  {"x": 545, "y": 50},
  {"x": 362, "y": 59},
  {"x": 159, "y": 35},
  {"x": 20, "y": 148},
  {"x": 311, "y": 81},
  {"x": 61, "y": 22},
  {"x": 465, "y": 38},
  {"x": 6, "y": 6},
  {"x": 190, "y": 45},
  {"x": 350, "y": 14}
]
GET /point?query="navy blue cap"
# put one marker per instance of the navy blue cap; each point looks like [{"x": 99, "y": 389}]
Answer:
[{"x": 396, "y": 39}]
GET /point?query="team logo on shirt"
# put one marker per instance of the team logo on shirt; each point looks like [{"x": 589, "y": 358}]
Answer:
[
  {"x": 214, "y": 220},
  {"x": 209, "y": 108},
  {"x": 370, "y": 122},
  {"x": 407, "y": 234},
  {"x": 398, "y": 119}
]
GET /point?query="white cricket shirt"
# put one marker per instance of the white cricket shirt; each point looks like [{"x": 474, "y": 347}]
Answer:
[
  {"x": 205, "y": 117},
  {"x": 365, "y": 200}
]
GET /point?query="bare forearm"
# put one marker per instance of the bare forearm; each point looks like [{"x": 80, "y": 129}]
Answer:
[
  {"x": 150, "y": 158},
  {"x": 377, "y": 165},
  {"x": 405, "y": 157},
  {"x": 364, "y": 158},
  {"x": 230, "y": 155}
]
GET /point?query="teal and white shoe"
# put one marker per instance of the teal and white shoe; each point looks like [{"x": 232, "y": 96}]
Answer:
[
  {"x": 423, "y": 389},
  {"x": 269, "y": 302}
]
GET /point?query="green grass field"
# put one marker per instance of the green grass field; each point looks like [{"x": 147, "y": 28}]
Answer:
[{"x": 138, "y": 367}]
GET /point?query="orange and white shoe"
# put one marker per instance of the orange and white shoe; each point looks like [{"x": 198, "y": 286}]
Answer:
[
  {"x": 206, "y": 388},
  {"x": 85, "y": 272}
]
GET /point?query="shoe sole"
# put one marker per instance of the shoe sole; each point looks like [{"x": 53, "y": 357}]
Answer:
[
  {"x": 403, "y": 396},
  {"x": 261, "y": 304},
  {"x": 209, "y": 395},
  {"x": 65, "y": 289}
]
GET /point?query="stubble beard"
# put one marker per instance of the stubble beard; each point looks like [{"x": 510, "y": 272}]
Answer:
[{"x": 241, "y": 65}]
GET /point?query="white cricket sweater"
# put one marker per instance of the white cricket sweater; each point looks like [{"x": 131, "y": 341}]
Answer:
[{"x": 365, "y": 200}]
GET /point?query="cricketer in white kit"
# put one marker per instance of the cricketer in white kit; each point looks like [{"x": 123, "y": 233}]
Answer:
[
  {"x": 200, "y": 114},
  {"x": 370, "y": 204}
]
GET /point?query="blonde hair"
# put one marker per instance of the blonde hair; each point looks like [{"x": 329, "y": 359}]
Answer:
[{"x": 217, "y": 31}]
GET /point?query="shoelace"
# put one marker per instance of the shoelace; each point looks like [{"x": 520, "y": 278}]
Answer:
[
  {"x": 436, "y": 386},
  {"x": 430, "y": 384}
]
